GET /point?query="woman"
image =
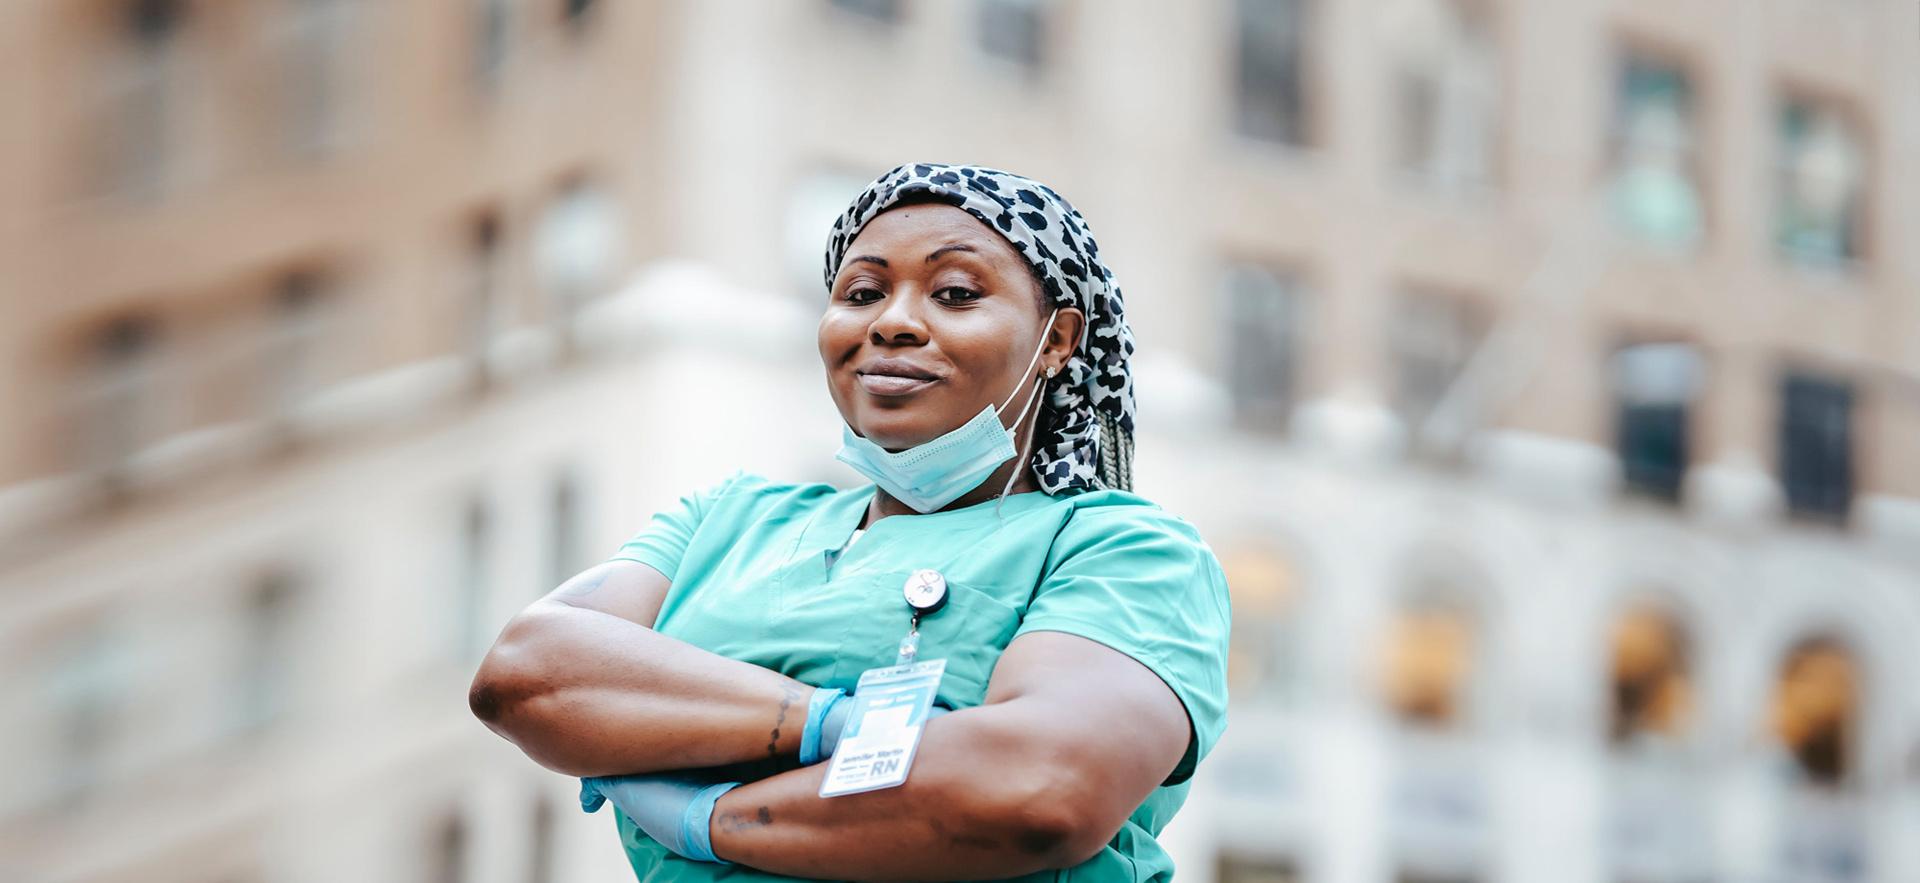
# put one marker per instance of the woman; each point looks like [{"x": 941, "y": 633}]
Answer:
[{"x": 1083, "y": 629}]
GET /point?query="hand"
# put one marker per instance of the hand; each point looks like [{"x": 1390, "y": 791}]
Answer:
[{"x": 674, "y": 809}]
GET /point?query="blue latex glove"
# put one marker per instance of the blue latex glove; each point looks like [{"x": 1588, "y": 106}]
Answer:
[
  {"x": 673, "y": 809},
  {"x": 831, "y": 713},
  {"x": 826, "y": 717}
]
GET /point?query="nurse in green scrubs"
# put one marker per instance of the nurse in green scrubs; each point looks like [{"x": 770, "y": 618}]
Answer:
[{"x": 976, "y": 346}]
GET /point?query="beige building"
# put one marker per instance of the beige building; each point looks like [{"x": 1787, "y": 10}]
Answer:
[{"x": 1541, "y": 372}]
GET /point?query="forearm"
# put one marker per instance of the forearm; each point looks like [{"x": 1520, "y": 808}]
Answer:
[
  {"x": 979, "y": 803},
  {"x": 586, "y": 694}
]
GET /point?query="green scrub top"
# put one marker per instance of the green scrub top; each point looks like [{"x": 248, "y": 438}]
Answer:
[{"x": 755, "y": 578}]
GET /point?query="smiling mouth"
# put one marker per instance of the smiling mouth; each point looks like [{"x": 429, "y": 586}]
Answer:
[{"x": 894, "y": 385}]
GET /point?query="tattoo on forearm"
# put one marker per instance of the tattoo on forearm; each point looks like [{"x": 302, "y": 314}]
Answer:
[
  {"x": 787, "y": 698},
  {"x": 734, "y": 822}
]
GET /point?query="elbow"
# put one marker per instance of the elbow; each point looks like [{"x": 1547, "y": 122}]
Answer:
[
  {"x": 506, "y": 678},
  {"x": 1058, "y": 831},
  {"x": 1049, "y": 812},
  {"x": 486, "y": 696}
]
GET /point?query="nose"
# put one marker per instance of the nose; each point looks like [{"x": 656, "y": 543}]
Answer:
[{"x": 899, "y": 320}]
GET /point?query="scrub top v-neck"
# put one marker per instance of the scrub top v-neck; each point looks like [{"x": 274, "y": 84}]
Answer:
[{"x": 765, "y": 573}]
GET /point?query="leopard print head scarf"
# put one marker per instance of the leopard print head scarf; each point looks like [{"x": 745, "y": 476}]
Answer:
[{"x": 1085, "y": 440}]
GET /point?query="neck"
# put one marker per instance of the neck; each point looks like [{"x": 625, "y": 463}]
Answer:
[{"x": 884, "y": 504}]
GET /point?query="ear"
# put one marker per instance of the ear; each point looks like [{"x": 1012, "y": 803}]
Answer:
[{"x": 1062, "y": 338}]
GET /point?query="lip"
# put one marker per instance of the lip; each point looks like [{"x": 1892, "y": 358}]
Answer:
[
  {"x": 897, "y": 368},
  {"x": 890, "y": 385},
  {"x": 894, "y": 377}
]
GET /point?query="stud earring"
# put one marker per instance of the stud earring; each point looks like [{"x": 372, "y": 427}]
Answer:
[{"x": 1052, "y": 371}]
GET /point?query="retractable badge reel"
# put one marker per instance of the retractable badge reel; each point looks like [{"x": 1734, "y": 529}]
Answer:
[
  {"x": 926, "y": 592},
  {"x": 891, "y": 704}
]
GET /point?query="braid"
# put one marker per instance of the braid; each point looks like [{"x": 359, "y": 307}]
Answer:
[{"x": 1116, "y": 454}]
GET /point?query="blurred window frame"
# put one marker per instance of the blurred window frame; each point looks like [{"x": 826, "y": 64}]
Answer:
[
  {"x": 1799, "y": 240},
  {"x": 1818, "y": 445},
  {"x": 1445, "y": 97},
  {"x": 887, "y": 13},
  {"x": 1017, "y": 32},
  {"x": 1273, "y": 87},
  {"x": 1265, "y": 313},
  {"x": 1656, "y": 387},
  {"x": 142, "y": 74},
  {"x": 1642, "y": 197},
  {"x": 1433, "y": 336},
  {"x": 121, "y": 394},
  {"x": 312, "y": 40}
]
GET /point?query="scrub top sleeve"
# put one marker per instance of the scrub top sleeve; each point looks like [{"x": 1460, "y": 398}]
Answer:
[
  {"x": 662, "y": 543},
  {"x": 1142, "y": 582}
]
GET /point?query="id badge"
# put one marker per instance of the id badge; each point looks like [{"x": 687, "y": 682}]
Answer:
[{"x": 883, "y": 728}]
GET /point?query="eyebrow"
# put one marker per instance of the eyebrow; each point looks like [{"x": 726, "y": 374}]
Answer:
[
  {"x": 867, "y": 258},
  {"x": 958, "y": 246}
]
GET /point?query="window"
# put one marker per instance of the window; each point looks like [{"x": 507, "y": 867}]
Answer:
[
  {"x": 1264, "y": 316},
  {"x": 266, "y": 654},
  {"x": 1816, "y": 710},
  {"x": 1446, "y": 93},
  {"x": 1015, "y": 30},
  {"x": 1650, "y": 680},
  {"x": 1820, "y": 189},
  {"x": 492, "y": 41},
  {"x": 484, "y": 304},
  {"x": 317, "y": 36},
  {"x": 1434, "y": 337},
  {"x": 540, "y": 855},
  {"x": 1816, "y": 446},
  {"x": 1654, "y": 387},
  {"x": 883, "y": 11},
  {"x": 119, "y": 395},
  {"x": 447, "y": 849},
  {"x": 1271, "y": 97},
  {"x": 578, "y": 13},
  {"x": 565, "y": 549},
  {"x": 90, "y": 682},
  {"x": 1429, "y": 663},
  {"x": 298, "y": 338},
  {"x": 143, "y": 86},
  {"x": 1439, "y": 805},
  {"x": 1260, "y": 659},
  {"x": 1654, "y": 191},
  {"x": 578, "y": 247},
  {"x": 1235, "y": 868},
  {"x": 473, "y": 588}
]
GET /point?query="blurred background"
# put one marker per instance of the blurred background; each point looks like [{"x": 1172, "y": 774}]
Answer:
[{"x": 1546, "y": 375}]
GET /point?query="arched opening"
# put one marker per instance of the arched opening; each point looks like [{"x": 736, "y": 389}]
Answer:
[
  {"x": 1816, "y": 710},
  {"x": 1815, "y": 714},
  {"x": 1650, "y": 677},
  {"x": 1262, "y": 660},
  {"x": 1657, "y": 819},
  {"x": 1429, "y": 662}
]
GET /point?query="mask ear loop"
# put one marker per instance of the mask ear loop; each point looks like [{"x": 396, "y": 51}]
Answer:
[{"x": 1018, "y": 421}]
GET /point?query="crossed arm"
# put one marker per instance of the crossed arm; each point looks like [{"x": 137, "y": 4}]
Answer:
[{"x": 1040, "y": 776}]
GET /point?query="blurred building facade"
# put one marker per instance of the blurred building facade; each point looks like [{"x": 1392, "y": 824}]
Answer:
[{"x": 1544, "y": 374}]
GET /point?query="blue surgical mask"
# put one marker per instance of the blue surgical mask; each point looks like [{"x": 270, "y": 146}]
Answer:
[{"x": 928, "y": 476}]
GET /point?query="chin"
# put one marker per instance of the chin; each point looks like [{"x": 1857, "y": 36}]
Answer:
[{"x": 897, "y": 430}]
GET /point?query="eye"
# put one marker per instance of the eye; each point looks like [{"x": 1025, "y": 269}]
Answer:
[
  {"x": 862, "y": 295},
  {"x": 956, "y": 294}
]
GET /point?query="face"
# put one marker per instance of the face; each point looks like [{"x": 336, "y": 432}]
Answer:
[{"x": 933, "y": 317}]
